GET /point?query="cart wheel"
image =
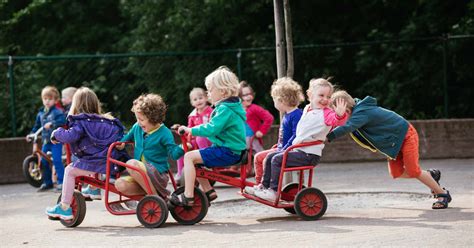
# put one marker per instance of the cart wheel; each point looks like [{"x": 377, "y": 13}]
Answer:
[
  {"x": 310, "y": 204},
  {"x": 32, "y": 171},
  {"x": 194, "y": 214},
  {"x": 152, "y": 211},
  {"x": 288, "y": 193},
  {"x": 78, "y": 206}
]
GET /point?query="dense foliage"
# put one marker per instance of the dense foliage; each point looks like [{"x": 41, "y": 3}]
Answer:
[{"x": 405, "y": 72}]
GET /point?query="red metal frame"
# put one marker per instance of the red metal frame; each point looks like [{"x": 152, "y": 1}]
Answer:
[
  {"x": 109, "y": 187},
  {"x": 216, "y": 175}
]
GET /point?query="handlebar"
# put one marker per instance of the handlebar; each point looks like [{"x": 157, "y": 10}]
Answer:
[{"x": 34, "y": 136}]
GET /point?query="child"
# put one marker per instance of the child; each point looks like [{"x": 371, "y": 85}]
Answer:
[
  {"x": 154, "y": 143},
  {"x": 379, "y": 129},
  {"x": 259, "y": 120},
  {"x": 49, "y": 117},
  {"x": 66, "y": 98},
  {"x": 90, "y": 133},
  {"x": 226, "y": 131},
  {"x": 200, "y": 115},
  {"x": 315, "y": 123},
  {"x": 287, "y": 95}
]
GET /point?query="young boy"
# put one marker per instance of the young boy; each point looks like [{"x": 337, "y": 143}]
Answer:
[
  {"x": 66, "y": 98},
  {"x": 287, "y": 95},
  {"x": 225, "y": 130},
  {"x": 315, "y": 123},
  {"x": 154, "y": 142},
  {"x": 49, "y": 118},
  {"x": 382, "y": 130}
]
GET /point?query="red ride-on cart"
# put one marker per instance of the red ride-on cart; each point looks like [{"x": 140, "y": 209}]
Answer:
[
  {"x": 151, "y": 211},
  {"x": 297, "y": 198}
]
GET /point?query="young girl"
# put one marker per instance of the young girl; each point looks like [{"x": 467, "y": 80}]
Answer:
[
  {"x": 225, "y": 130},
  {"x": 154, "y": 143},
  {"x": 90, "y": 133},
  {"x": 315, "y": 123},
  {"x": 287, "y": 95},
  {"x": 200, "y": 115},
  {"x": 259, "y": 120}
]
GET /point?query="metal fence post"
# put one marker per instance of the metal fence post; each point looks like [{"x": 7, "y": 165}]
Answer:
[
  {"x": 239, "y": 65},
  {"x": 445, "y": 75},
  {"x": 12, "y": 94}
]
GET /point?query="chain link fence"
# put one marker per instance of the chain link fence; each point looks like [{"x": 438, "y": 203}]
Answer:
[{"x": 388, "y": 69}]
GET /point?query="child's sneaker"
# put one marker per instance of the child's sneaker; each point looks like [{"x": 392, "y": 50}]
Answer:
[
  {"x": 266, "y": 194},
  {"x": 251, "y": 190},
  {"x": 91, "y": 193},
  {"x": 58, "y": 212}
]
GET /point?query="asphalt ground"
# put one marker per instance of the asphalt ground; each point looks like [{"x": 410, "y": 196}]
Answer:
[{"x": 366, "y": 208}]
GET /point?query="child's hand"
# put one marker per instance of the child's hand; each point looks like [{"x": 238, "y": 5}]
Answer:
[
  {"x": 184, "y": 129},
  {"x": 48, "y": 125},
  {"x": 29, "y": 137},
  {"x": 120, "y": 147},
  {"x": 341, "y": 107},
  {"x": 175, "y": 127},
  {"x": 53, "y": 139},
  {"x": 258, "y": 134}
]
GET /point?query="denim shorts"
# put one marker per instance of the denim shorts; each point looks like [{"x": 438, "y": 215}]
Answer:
[{"x": 218, "y": 156}]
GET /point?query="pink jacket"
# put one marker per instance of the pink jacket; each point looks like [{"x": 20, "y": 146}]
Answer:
[
  {"x": 195, "y": 119},
  {"x": 259, "y": 119}
]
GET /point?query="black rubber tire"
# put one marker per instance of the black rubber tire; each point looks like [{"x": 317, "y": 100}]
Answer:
[
  {"x": 78, "y": 210},
  {"x": 290, "y": 190},
  {"x": 31, "y": 171},
  {"x": 152, "y": 211},
  {"x": 194, "y": 214},
  {"x": 310, "y": 204}
]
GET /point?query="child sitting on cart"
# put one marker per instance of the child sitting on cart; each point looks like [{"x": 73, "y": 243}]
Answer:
[
  {"x": 287, "y": 95},
  {"x": 315, "y": 123},
  {"x": 225, "y": 129},
  {"x": 154, "y": 143},
  {"x": 90, "y": 133}
]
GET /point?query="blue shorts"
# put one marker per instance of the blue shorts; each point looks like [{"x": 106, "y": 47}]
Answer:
[{"x": 218, "y": 156}]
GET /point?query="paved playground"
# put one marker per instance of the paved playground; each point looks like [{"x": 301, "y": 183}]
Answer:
[{"x": 366, "y": 208}]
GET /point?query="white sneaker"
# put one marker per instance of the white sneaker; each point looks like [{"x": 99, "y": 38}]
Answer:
[
  {"x": 251, "y": 190},
  {"x": 266, "y": 194}
]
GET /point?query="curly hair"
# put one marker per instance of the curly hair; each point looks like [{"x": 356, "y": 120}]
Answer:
[
  {"x": 152, "y": 106},
  {"x": 320, "y": 82},
  {"x": 287, "y": 91}
]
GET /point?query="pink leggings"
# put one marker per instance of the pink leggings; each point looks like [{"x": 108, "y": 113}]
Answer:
[
  {"x": 70, "y": 174},
  {"x": 201, "y": 142}
]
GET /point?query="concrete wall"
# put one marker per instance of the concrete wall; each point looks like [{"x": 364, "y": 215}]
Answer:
[{"x": 438, "y": 139}]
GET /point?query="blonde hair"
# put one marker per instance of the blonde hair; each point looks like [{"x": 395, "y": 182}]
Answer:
[
  {"x": 86, "y": 101},
  {"x": 50, "y": 91},
  {"x": 68, "y": 92},
  {"x": 224, "y": 80},
  {"x": 287, "y": 91},
  {"x": 320, "y": 82},
  {"x": 244, "y": 84},
  {"x": 197, "y": 91},
  {"x": 152, "y": 106},
  {"x": 345, "y": 96}
]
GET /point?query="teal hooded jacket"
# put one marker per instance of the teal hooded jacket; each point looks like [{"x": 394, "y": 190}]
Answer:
[
  {"x": 226, "y": 127},
  {"x": 374, "y": 128}
]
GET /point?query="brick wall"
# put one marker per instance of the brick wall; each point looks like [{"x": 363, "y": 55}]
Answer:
[{"x": 439, "y": 139}]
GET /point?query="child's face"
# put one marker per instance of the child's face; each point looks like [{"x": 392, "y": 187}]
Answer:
[
  {"x": 247, "y": 97},
  {"x": 214, "y": 94},
  {"x": 66, "y": 100},
  {"x": 145, "y": 123},
  {"x": 48, "y": 101},
  {"x": 199, "y": 101},
  {"x": 320, "y": 97},
  {"x": 279, "y": 105}
]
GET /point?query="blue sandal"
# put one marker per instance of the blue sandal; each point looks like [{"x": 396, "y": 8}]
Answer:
[
  {"x": 182, "y": 200},
  {"x": 442, "y": 204}
]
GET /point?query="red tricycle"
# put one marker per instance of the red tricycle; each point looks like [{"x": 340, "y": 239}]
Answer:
[
  {"x": 151, "y": 211},
  {"x": 297, "y": 198},
  {"x": 32, "y": 163}
]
